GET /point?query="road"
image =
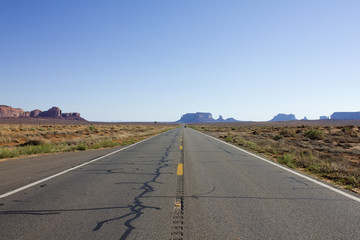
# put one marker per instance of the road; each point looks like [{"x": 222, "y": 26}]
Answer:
[{"x": 178, "y": 185}]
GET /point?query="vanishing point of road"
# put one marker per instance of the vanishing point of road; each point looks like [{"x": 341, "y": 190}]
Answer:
[{"x": 181, "y": 184}]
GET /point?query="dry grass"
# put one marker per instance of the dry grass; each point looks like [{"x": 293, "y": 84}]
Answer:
[
  {"x": 329, "y": 152},
  {"x": 25, "y": 139}
]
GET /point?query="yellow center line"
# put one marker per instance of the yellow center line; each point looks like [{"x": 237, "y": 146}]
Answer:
[
  {"x": 181, "y": 147},
  {"x": 180, "y": 169}
]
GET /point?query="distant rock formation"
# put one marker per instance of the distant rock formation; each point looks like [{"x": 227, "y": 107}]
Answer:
[
  {"x": 35, "y": 113},
  {"x": 231, "y": 120},
  {"x": 54, "y": 112},
  {"x": 201, "y": 117},
  {"x": 6, "y": 111},
  {"x": 345, "y": 115},
  {"x": 198, "y": 117},
  {"x": 283, "y": 117},
  {"x": 324, "y": 118},
  {"x": 220, "y": 119},
  {"x": 71, "y": 115}
]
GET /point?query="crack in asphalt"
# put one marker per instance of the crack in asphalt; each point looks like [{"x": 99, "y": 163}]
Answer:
[
  {"x": 57, "y": 211},
  {"x": 137, "y": 208}
]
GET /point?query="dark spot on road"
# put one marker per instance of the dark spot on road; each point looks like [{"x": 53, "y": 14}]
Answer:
[{"x": 293, "y": 179}]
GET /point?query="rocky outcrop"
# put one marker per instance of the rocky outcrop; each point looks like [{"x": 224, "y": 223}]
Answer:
[
  {"x": 72, "y": 116},
  {"x": 6, "y": 111},
  {"x": 35, "y": 113},
  {"x": 345, "y": 115},
  {"x": 283, "y": 117},
  {"x": 198, "y": 117},
  {"x": 231, "y": 120},
  {"x": 52, "y": 113},
  {"x": 221, "y": 119},
  {"x": 201, "y": 117}
]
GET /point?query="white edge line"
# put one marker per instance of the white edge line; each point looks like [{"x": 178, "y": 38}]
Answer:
[
  {"x": 73, "y": 168},
  {"x": 289, "y": 170}
]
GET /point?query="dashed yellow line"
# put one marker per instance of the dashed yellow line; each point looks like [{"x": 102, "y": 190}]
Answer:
[
  {"x": 180, "y": 169},
  {"x": 181, "y": 147}
]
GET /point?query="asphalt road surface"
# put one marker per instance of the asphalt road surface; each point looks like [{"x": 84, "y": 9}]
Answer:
[{"x": 178, "y": 185}]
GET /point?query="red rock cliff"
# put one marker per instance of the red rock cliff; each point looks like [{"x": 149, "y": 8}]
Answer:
[{"x": 54, "y": 112}]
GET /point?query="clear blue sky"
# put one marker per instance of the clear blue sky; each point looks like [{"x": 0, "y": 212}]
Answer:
[{"x": 156, "y": 60}]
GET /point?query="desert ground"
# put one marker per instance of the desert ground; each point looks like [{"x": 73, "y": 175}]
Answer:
[
  {"x": 329, "y": 150},
  {"x": 22, "y": 137}
]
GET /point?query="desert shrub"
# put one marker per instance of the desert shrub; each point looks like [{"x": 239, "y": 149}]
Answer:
[
  {"x": 314, "y": 134},
  {"x": 82, "y": 147},
  {"x": 28, "y": 150},
  {"x": 252, "y": 145},
  {"x": 288, "y": 160},
  {"x": 316, "y": 168},
  {"x": 8, "y": 153},
  {"x": 13, "y": 129},
  {"x": 33, "y": 142},
  {"x": 108, "y": 143},
  {"x": 229, "y": 139},
  {"x": 278, "y": 137},
  {"x": 128, "y": 142},
  {"x": 36, "y": 149},
  {"x": 286, "y": 132},
  {"x": 348, "y": 131},
  {"x": 104, "y": 144},
  {"x": 307, "y": 155},
  {"x": 4, "y": 140},
  {"x": 247, "y": 144}
]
